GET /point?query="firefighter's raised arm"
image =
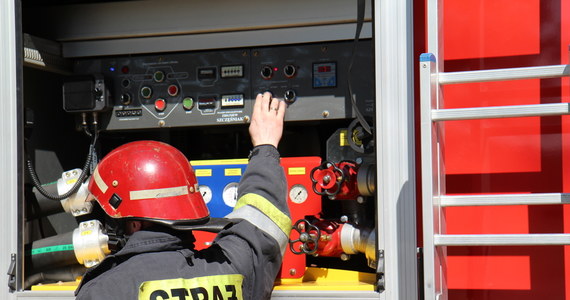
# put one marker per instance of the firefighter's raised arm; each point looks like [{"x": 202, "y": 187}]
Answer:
[{"x": 263, "y": 232}]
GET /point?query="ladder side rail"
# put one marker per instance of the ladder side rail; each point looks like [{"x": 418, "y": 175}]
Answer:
[
  {"x": 434, "y": 20},
  {"x": 432, "y": 177},
  {"x": 539, "y": 72},
  {"x": 435, "y": 286}
]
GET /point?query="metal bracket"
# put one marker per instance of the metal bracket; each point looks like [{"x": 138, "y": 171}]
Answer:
[
  {"x": 12, "y": 273},
  {"x": 380, "y": 279}
]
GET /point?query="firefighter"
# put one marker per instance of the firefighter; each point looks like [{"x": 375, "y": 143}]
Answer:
[{"x": 150, "y": 190}]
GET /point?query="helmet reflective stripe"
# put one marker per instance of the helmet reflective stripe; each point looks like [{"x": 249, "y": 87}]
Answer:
[
  {"x": 263, "y": 222},
  {"x": 159, "y": 193},
  {"x": 99, "y": 181}
]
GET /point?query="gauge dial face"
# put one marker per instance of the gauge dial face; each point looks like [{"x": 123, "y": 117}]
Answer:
[
  {"x": 230, "y": 194},
  {"x": 298, "y": 193},
  {"x": 206, "y": 193}
]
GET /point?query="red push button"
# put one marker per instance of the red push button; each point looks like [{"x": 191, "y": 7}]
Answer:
[
  {"x": 160, "y": 104},
  {"x": 173, "y": 90}
]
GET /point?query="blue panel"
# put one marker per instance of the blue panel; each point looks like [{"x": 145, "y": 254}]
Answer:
[{"x": 217, "y": 182}]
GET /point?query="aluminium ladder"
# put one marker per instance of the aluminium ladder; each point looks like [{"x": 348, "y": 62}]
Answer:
[{"x": 433, "y": 181}]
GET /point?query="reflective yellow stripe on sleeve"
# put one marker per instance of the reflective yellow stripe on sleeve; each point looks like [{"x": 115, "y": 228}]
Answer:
[
  {"x": 268, "y": 209},
  {"x": 208, "y": 287},
  {"x": 265, "y": 216}
]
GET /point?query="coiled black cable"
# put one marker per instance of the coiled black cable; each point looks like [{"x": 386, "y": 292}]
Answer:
[{"x": 82, "y": 177}]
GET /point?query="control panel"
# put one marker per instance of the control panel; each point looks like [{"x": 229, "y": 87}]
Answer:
[{"x": 217, "y": 87}]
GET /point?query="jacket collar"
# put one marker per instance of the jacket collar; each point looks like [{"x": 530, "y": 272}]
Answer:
[{"x": 151, "y": 241}]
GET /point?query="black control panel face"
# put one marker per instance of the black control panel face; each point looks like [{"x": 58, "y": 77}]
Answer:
[{"x": 219, "y": 87}]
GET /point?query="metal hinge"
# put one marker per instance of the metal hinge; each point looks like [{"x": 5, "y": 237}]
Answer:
[
  {"x": 12, "y": 273},
  {"x": 380, "y": 280}
]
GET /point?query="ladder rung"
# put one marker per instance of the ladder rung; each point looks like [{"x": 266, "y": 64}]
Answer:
[
  {"x": 505, "y": 199},
  {"x": 501, "y": 239},
  {"x": 505, "y": 74},
  {"x": 511, "y": 111}
]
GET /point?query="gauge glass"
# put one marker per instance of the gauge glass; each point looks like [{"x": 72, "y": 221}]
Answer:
[
  {"x": 230, "y": 194},
  {"x": 298, "y": 193},
  {"x": 206, "y": 193}
]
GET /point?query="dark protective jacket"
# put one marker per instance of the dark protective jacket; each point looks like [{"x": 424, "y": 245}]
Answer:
[{"x": 242, "y": 263}]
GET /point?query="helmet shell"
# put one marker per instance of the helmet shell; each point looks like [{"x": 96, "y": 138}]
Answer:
[{"x": 148, "y": 180}]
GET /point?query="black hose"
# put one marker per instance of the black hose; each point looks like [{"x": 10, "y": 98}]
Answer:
[
  {"x": 52, "y": 252},
  {"x": 69, "y": 273},
  {"x": 46, "y": 206}
]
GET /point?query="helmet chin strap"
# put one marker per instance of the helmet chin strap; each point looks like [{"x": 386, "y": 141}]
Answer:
[
  {"x": 118, "y": 236},
  {"x": 116, "y": 233}
]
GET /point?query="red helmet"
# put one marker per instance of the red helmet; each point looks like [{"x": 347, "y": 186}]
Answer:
[{"x": 149, "y": 180}]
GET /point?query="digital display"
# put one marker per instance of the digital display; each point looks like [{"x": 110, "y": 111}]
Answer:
[
  {"x": 323, "y": 69},
  {"x": 324, "y": 75}
]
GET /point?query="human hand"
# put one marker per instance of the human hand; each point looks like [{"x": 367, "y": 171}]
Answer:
[{"x": 266, "y": 125}]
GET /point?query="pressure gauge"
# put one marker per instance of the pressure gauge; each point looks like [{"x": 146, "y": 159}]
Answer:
[
  {"x": 298, "y": 193},
  {"x": 230, "y": 194},
  {"x": 206, "y": 192}
]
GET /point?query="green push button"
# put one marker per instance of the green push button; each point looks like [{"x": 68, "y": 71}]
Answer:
[
  {"x": 188, "y": 103},
  {"x": 146, "y": 92},
  {"x": 158, "y": 76}
]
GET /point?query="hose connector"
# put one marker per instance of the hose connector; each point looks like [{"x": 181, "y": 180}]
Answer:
[
  {"x": 355, "y": 240},
  {"x": 75, "y": 204},
  {"x": 90, "y": 243}
]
